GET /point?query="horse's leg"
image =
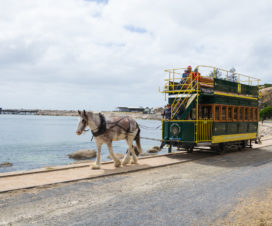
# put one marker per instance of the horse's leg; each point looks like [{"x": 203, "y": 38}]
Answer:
[
  {"x": 138, "y": 142},
  {"x": 126, "y": 158},
  {"x": 131, "y": 149},
  {"x": 117, "y": 162},
  {"x": 98, "y": 155}
]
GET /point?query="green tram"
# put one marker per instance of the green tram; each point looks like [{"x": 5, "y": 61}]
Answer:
[{"x": 217, "y": 110}]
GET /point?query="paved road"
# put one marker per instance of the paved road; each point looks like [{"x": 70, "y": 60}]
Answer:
[{"x": 198, "y": 192}]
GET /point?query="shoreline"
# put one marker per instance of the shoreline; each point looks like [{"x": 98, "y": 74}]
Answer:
[{"x": 137, "y": 115}]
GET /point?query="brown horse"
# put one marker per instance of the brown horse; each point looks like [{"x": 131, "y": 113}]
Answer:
[{"x": 106, "y": 130}]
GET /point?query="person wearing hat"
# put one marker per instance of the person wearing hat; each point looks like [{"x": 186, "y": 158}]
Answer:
[
  {"x": 185, "y": 74},
  {"x": 167, "y": 112}
]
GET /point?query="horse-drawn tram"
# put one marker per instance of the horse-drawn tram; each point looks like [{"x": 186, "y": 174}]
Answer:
[{"x": 209, "y": 106}]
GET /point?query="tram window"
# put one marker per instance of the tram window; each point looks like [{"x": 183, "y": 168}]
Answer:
[
  {"x": 241, "y": 110},
  {"x": 255, "y": 114},
  {"x": 205, "y": 112},
  {"x": 217, "y": 113},
  {"x": 193, "y": 114},
  {"x": 235, "y": 111},
  {"x": 246, "y": 113},
  {"x": 223, "y": 113},
  {"x": 200, "y": 112},
  {"x": 209, "y": 112},
  {"x": 250, "y": 114},
  {"x": 229, "y": 113}
]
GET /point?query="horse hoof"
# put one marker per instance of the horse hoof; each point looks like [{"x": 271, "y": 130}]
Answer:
[
  {"x": 134, "y": 162},
  {"x": 94, "y": 166},
  {"x": 125, "y": 161},
  {"x": 117, "y": 163}
]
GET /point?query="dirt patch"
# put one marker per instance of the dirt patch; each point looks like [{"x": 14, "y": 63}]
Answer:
[{"x": 254, "y": 210}]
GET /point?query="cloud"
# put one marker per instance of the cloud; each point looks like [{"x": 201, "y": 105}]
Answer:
[
  {"x": 135, "y": 29},
  {"x": 71, "y": 54}
]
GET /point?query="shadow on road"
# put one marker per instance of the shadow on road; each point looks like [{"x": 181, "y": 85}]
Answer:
[{"x": 245, "y": 158}]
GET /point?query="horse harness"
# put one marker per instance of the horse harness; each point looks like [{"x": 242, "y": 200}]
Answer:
[{"x": 103, "y": 125}]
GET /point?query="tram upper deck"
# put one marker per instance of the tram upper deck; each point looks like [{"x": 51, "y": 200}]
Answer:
[
  {"x": 210, "y": 80},
  {"x": 210, "y": 105}
]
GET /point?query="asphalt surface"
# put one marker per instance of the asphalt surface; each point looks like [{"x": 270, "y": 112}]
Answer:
[{"x": 198, "y": 192}]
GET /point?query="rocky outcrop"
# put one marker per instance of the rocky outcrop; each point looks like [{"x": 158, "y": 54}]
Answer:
[
  {"x": 155, "y": 149},
  {"x": 6, "y": 164},
  {"x": 266, "y": 99},
  {"x": 137, "y": 115},
  {"x": 83, "y": 154}
]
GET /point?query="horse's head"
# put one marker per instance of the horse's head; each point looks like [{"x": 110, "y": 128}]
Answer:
[{"x": 83, "y": 122}]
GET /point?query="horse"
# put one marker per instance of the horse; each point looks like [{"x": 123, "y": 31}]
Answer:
[{"x": 108, "y": 129}]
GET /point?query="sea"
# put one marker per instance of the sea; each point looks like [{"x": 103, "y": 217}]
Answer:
[{"x": 31, "y": 141}]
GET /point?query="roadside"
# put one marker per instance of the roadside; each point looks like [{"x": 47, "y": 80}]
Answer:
[
  {"x": 198, "y": 192},
  {"x": 256, "y": 209}
]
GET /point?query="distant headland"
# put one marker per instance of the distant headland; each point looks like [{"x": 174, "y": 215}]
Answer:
[{"x": 155, "y": 115}]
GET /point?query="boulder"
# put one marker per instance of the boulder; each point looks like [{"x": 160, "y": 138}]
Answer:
[
  {"x": 83, "y": 154},
  {"x": 148, "y": 154},
  {"x": 118, "y": 155},
  {"x": 155, "y": 149},
  {"x": 6, "y": 164}
]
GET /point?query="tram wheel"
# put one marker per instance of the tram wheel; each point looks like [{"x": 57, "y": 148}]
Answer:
[
  {"x": 189, "y": 147},
  {"x": 220, "y": 149},
  {"x": 189, "y": 150}
]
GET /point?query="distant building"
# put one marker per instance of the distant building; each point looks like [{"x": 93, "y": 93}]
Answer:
[
  {"x": 0, "y": 110},
  {"x": 130, "y": 109}
]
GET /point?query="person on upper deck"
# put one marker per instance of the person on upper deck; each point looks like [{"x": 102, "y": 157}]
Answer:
[
  {"x": 196, "y": 76},
  {"x": 187, "y": 72}
]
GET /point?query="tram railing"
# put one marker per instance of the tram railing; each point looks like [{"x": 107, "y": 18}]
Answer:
[
  {"x": 189, "y": 86},
  {"x": 203, "y": 131}
]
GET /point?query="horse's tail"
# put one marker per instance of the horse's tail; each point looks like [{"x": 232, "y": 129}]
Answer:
[{"x": 137, "y": 138}]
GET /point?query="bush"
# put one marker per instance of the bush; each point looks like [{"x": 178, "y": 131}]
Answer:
[
  {"x": 266, "y": 113},
  {"x": 266, "y": 85}
]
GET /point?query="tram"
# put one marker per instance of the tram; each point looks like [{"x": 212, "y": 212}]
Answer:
[{"x": 211, "y": 107}]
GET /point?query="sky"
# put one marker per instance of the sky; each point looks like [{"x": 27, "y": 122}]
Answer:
[{"x": 97, "y": 55}]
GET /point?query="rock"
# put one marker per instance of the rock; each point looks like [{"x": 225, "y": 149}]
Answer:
[
  {"x": 83, "y": 154},
  {"x": 6, "y": 164},
  {"x": 148, "y": 154},
  {"x": 155, "y": 149},
  {"x": 118, "y": 155}
]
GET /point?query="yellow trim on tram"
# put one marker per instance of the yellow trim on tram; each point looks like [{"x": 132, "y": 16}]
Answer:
[
  {"x": 233, "y": 137},
  {"x": 234, "y": 95}
]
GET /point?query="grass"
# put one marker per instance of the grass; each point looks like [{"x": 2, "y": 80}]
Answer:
[{"x": 254, "y": 210}]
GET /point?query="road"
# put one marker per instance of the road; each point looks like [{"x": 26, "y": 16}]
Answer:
[{"x": 198, "y": 192}]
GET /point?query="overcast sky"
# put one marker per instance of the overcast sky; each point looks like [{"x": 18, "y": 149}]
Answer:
[{"x": 78, "y": 54}]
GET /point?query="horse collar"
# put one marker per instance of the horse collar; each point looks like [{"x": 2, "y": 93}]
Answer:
[{"x": 102, "y": 126}]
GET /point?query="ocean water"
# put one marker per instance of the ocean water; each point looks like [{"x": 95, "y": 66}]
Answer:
[{"x": 30, "y": 141}]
